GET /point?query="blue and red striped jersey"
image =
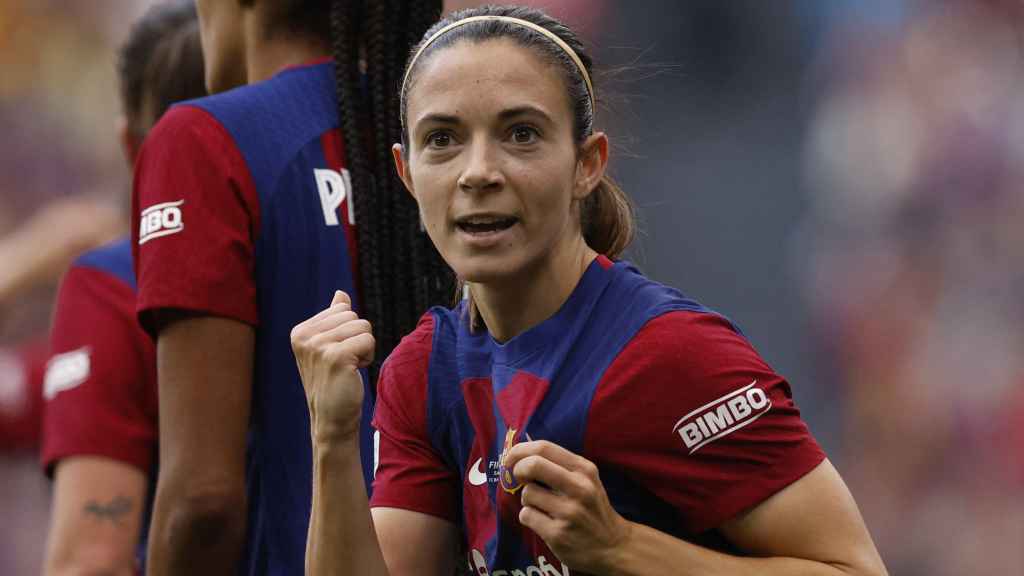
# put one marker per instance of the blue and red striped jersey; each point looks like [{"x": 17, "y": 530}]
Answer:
[
  {"x": 242, "y": 209},
  {"x": 686, "y": 423}
]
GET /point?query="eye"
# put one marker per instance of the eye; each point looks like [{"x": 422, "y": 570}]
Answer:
[
  {"x": 438, "y": 139},
  {"x": 523, "y": 134}
]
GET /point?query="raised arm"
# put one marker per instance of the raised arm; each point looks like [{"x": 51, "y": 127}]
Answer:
[
  {"x": 344, "y": 538},
  {"x": 204, "y": 368}
]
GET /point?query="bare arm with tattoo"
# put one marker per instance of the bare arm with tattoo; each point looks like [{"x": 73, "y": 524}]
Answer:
[{"x": 96, "y": 517}]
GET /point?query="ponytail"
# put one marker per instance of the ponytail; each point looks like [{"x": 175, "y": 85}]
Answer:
[{"x": 607, "y": 219}]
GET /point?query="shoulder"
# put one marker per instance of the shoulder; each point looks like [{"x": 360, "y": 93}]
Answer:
[
  {"x": 415, "y": 347},
  {"x": 186, "y": 137},
  {"x": 273, "y": 121},
  {"x": 293, "y": 93},
  {"x": 681, "y": 334},
  {"x": 186, "y": 120},
  {"x": 97, "y": 296},
  {"x": 692, "y": 346},
  {"x": 114, "y": 259},
  {"x": 636, "y": 292},
  {"x": 423, "y": 368},
  {"x": 288, "y": 109}
]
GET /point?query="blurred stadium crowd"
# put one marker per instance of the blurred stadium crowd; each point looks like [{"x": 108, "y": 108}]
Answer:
[{"x": 869, "y": 158}]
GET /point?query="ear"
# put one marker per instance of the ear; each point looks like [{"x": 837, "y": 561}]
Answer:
[
  {"x": 590, "y": 166},
  {"x": 130, "y": 143},
  {"x": 402, "y": 167}
]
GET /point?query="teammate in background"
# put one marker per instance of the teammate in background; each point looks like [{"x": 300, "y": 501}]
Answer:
[
  {"x": 100, "y": 415},
  {"x": 251, "y": 207},
  {"x": 571, "y": 414}
]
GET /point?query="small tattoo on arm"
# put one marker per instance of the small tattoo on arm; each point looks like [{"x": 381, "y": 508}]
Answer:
[{"x": 115, "y": 510}]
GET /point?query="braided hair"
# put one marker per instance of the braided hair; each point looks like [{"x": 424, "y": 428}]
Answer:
[{"x": 401, "y": 273}]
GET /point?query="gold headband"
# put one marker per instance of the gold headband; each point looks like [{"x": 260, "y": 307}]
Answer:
[{"x": 549, "y": 34}]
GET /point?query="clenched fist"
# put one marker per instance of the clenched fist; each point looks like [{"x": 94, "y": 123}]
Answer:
[{"x": 330, "y": 348}]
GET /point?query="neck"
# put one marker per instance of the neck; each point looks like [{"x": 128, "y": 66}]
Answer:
[
  {"x": 510, "y": 307},
  {"x": 274, "y": 53}
]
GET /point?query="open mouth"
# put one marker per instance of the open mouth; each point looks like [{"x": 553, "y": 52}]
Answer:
[{"x": 485, "y": 223}]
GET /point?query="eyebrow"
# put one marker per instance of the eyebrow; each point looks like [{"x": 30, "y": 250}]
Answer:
[
  {"x": 504, "y": 115},
  {"x": 525, "y": 110},
  {"x": 437, "y": 118}
]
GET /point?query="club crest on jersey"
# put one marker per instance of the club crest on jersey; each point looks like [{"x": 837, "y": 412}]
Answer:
[
  {"x": 160, "y": 220},
  {"x": 508, "y": 480},
  {"x": 722, "y": 416}
]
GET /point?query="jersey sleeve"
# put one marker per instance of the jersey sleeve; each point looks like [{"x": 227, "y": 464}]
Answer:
[
  {"x": 21, "y": 394},
  {"x": 195, "y": 216},
  {"x": 410, "y": 473},
  {"x": 99, "y": 385},
  {"x": 691, "y": 412}
]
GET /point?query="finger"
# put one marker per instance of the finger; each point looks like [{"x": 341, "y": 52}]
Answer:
[
  {"x": 550, "y": 451},
  {"x": 331, "y": 321},
  {"x": 356, "y": 351},
  {"x": 536, "y": 468},
  {"x": 341, "y": 332},
  {"x": 543, "y": 525},
  {"x": 310, "y": 323},
  {"x": 549, "y": 502},
  {"x": 325, "y": 320}
]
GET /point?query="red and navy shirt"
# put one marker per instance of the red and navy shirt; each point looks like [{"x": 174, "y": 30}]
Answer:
[
  {"x": 242, "y": 210},
  {"x": 100, "y": 386},
  {"x": 686, "y": 423}
]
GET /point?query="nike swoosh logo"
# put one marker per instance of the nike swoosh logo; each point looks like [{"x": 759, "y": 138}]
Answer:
[{"x": 476, "y": 474}]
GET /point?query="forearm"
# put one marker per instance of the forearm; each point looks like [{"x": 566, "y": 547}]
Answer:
[
  {"x": 648, "y": 552},
  {"x": 196, "y": 532},
  {"x": 341, "y": 538},
  {"x": 103, "y": 542}
]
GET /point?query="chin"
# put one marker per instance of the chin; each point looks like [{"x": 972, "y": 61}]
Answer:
[{"x": 485, "y": 269}]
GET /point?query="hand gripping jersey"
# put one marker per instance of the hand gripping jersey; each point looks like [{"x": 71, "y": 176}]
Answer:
[
  {"x": 242, "y": 210},
  {"x": 688, "y": 426},
  {"x": 100, "y": 386}
]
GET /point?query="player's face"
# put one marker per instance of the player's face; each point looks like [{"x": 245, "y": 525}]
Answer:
[
  {"x": 221, "y": 33},
  {"x": 491, "y": 160}
]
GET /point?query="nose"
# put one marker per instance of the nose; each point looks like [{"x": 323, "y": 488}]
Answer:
[{"x": 481, "y": 171}]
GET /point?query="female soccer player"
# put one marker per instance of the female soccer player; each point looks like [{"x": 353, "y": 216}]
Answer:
[
  {"x": 251, "y": 207},
  {"x": 571, "y": 416},
  {"x": 100, "y": 414}
]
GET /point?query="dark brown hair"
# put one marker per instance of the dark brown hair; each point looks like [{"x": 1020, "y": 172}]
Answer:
[{"x": 160, "y": 63}]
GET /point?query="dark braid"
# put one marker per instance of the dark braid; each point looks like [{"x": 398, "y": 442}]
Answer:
[
  {"x": 375, "y": 44},
  {"x": 401, "y": 274}
]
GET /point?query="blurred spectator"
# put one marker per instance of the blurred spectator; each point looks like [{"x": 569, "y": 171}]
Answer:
[{"x": 916, "y": 243}]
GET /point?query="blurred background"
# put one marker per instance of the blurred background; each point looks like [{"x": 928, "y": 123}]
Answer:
[{"x": 844, "y": 179}]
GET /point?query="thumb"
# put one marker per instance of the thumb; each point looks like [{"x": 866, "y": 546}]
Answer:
[{"x": 340, "y": 298}]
